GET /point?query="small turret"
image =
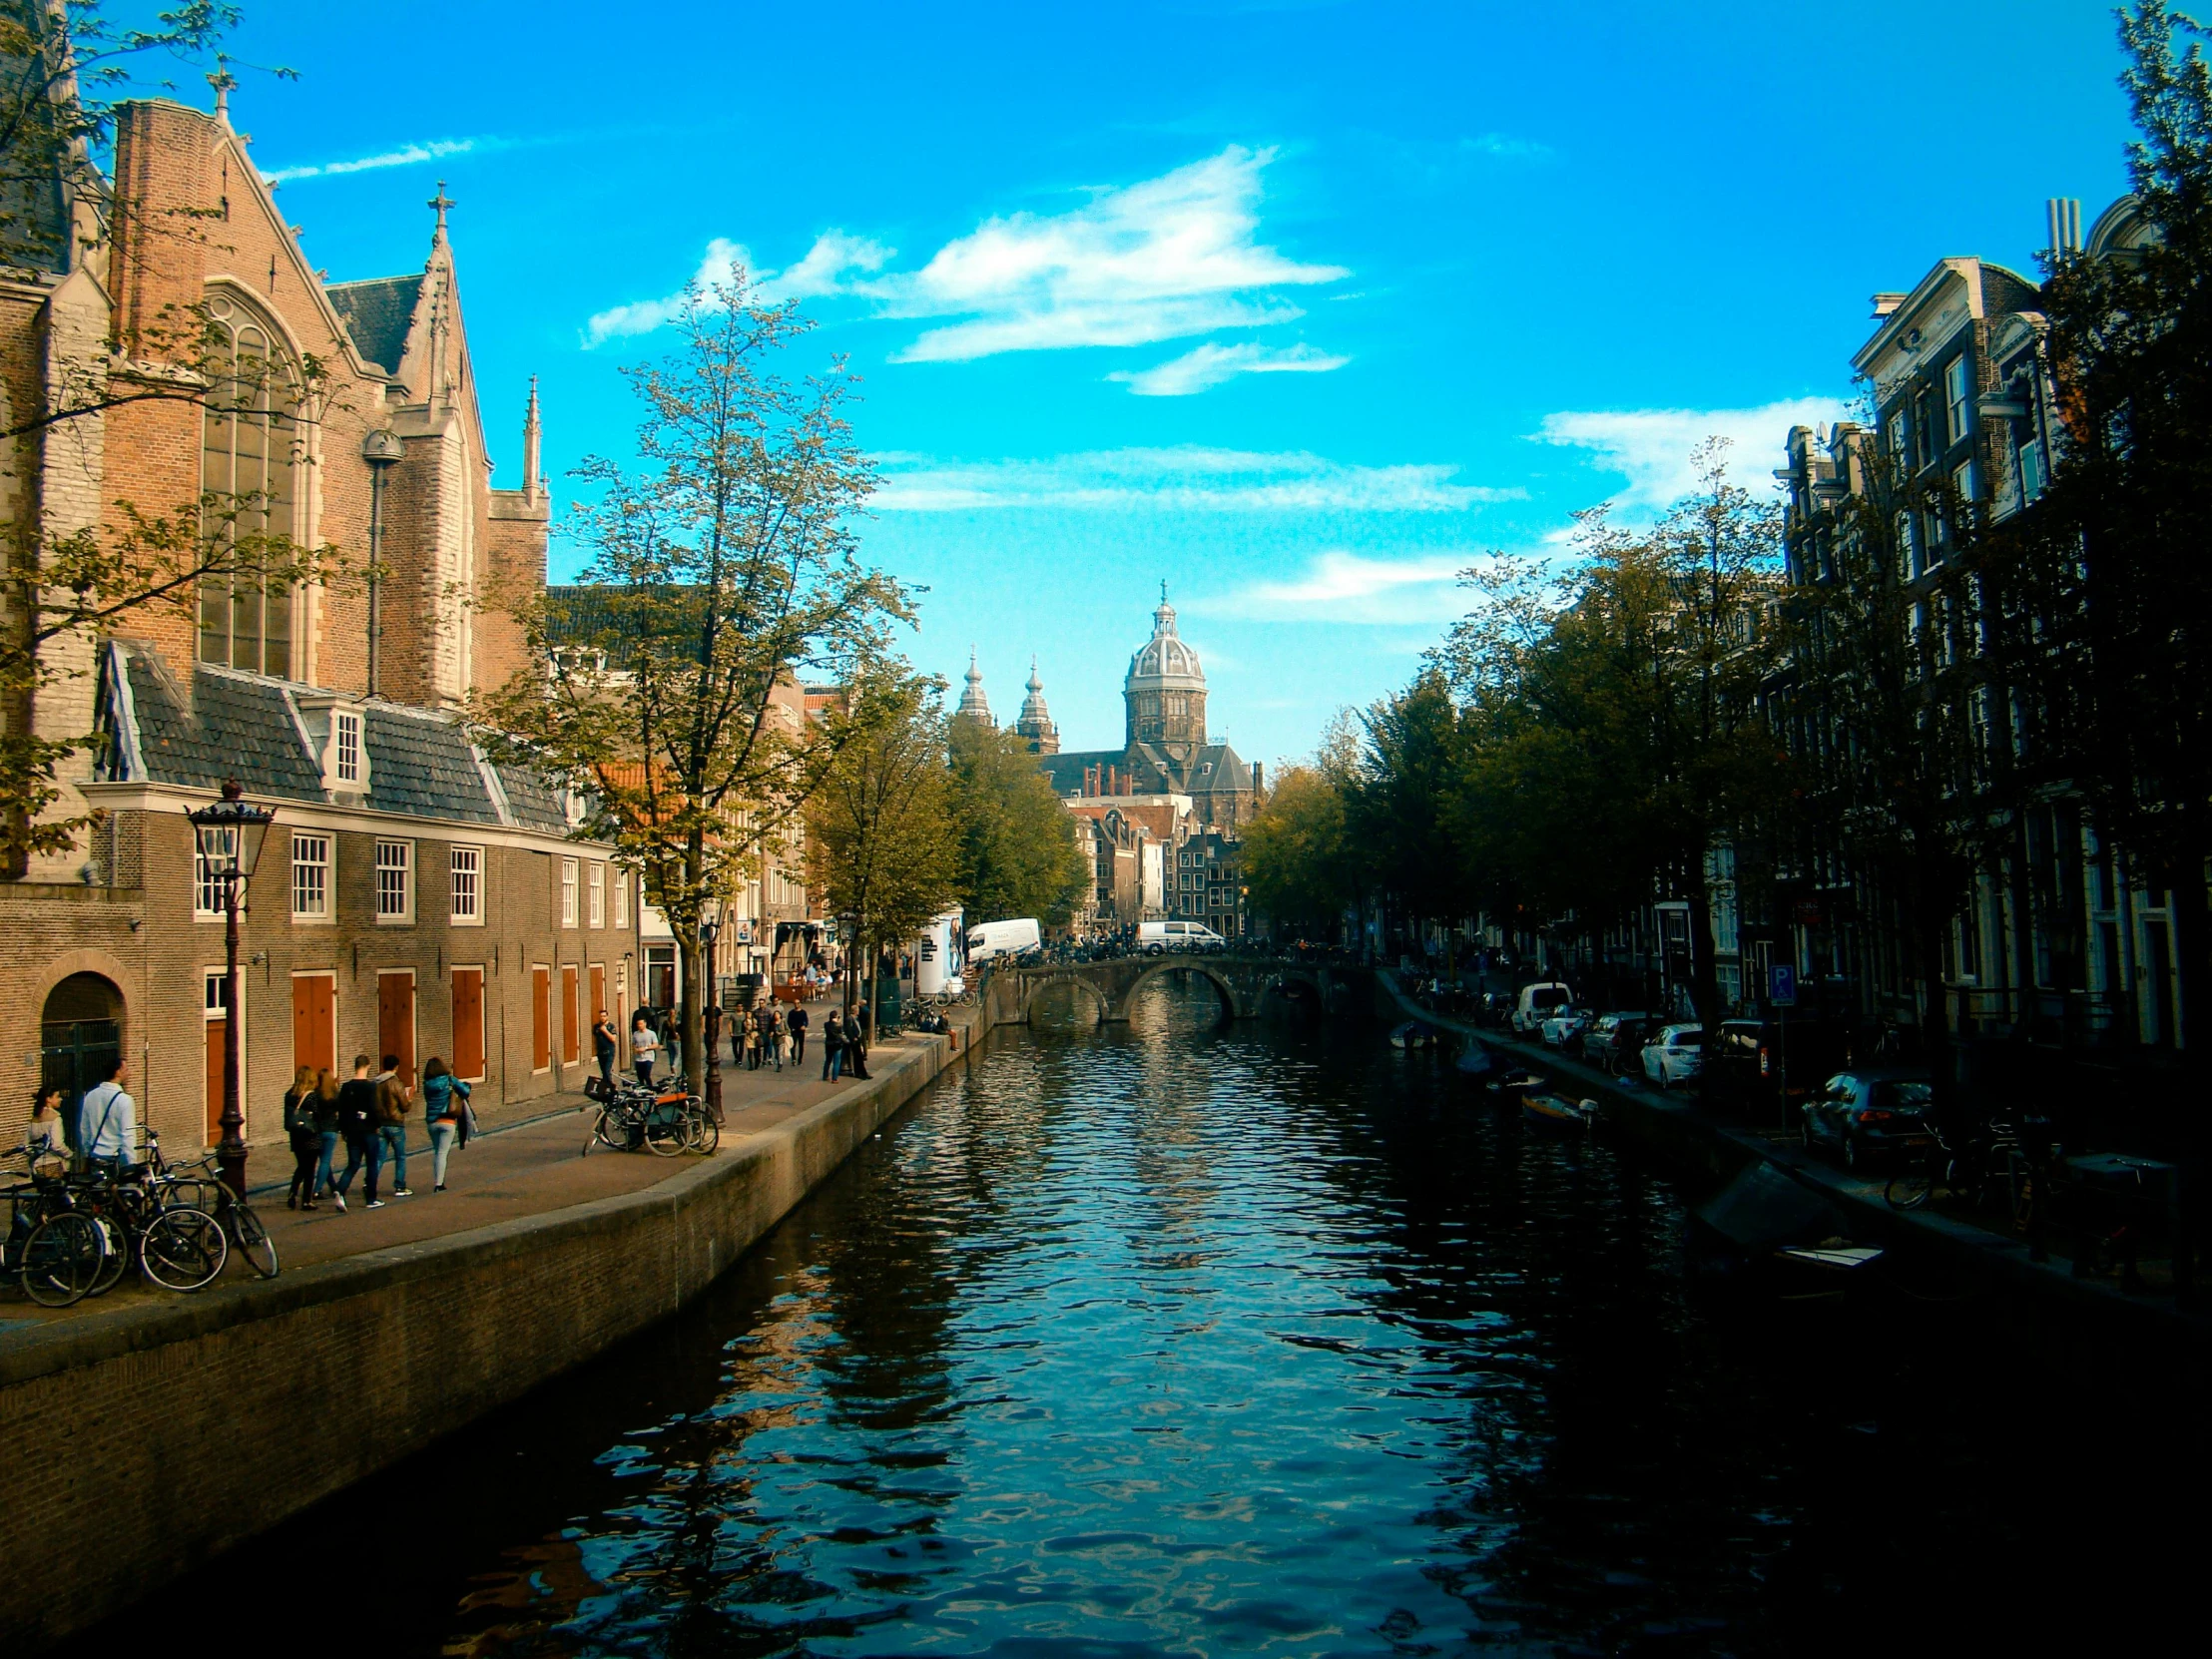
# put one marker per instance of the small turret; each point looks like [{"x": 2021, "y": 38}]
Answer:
[
  {"x": 1035, "y": 723},
  {"x": 973, "y": 705}
]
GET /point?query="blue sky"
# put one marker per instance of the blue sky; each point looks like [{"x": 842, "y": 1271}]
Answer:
[{"x": 1300, "y": 306}]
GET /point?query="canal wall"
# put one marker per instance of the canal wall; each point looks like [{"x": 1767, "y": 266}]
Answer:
[
  {"x": 2088, "y": 1328},
  {"x": 142, "y": 1440}
]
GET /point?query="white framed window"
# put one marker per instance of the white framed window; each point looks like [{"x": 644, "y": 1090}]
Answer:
[
  {"x": 596, "y": 895},
  {"x": 622, "y": 897},
  {"x": 206, "y": 887},
  {"x": 395, "y": 882},
  {"x": 467, "y": 866},
  {"x": 1956, "y": 395},
  {"x": 1962, "y": 485},
  {"x": 310, "y": 876},
  {"x": 568, "y": 892},
  {"x": 2030, "y": 470},
  {"x": 346, "y": 743}
]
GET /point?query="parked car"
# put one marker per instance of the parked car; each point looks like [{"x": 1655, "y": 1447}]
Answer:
[
  {"x": 1615, "y": 1039},
  {"x": 1564, "y": 1028},
  {"x": 1538, "y": 1002},
  {"x": 1675, "y": 1054},
  {"x": 1869, "y": 1117},
  {"x": 1770, "y": 1062}
]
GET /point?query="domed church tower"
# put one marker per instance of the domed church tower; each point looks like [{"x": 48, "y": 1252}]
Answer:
[
  {"x": 1165, "y": 692},
  {"x": 973, "y": 704},
  {"x": 1035, "y": 723}
]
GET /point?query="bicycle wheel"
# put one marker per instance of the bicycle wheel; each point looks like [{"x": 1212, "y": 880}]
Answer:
[
  {"x": 1909, "y": 1188},
  {"x": 253, "y": 1240},
  {"x": 665, "y": 1130},
  {"x": 60, "y": 1258},
  {"x": 183, "y": 1249},
  {"x": 115, "y": 1251},
  {"x": 706, "y": 1132}
]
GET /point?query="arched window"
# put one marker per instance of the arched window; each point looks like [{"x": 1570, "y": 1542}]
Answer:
[{"x": 251, "y": 435}]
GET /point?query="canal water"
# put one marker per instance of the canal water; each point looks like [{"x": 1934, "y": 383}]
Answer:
[{"x": 1259, "y": 1339}]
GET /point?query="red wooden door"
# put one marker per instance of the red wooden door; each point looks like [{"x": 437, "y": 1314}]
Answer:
[
  {"x": 314, "y": 1040},
  {"x": 216, "y": 1028},
  {"x": 468, "y": 1024},
  {"x": 395, "y": 1020},
  {"x": 568, "y": 1015},
  {"x": 541, "y": 1018}
]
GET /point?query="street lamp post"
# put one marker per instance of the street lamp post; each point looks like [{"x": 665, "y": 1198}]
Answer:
[
  {"x": 710, "y": 1087},
  {"x": 231, "y": 834}
]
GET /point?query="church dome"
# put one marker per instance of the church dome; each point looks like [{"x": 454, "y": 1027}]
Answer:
[{"x": 1165, "y": 662}]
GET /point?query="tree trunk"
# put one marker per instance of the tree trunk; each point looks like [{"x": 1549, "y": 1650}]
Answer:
[{"x": 1704, "y": 976}]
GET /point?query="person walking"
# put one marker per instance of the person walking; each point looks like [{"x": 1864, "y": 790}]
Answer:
[
  {"x": 603, "y": 1040},
  {"x": 755, "y": 1031},
  {"x": 796, "y": 1023},
  {"x": 832, "y": 1046},
  {"x": 673, "y": 1040},
  {"x": 300, "y": 1131},
  {"x": 108, "y": 1118},
  {"x": 318, "y": 1113},
  {"x": 779, "y": 1039},
  {"x": 855, "y": 1044},
  {"x": 444, "y": 1099},
  {"x": 394, "y": 1097},
  {"x": 644, "y": 1047},
  {"x": 356, "y": 1122}
]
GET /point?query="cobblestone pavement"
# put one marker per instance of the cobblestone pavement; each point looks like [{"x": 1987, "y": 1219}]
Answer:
[{"x": 525, "y": 1162}]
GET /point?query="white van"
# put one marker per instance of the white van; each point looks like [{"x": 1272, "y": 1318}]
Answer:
[
  {"x": 1003, "y": 938},
  {"x": 1541, "y": 1002},
  {"x": 1156, "y": 937}
]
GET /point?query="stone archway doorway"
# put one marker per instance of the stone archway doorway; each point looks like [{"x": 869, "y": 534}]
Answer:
[{"x": 80, "y": 1039}]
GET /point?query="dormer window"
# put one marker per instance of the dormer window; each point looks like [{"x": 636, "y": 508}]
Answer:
[{"x": 345, "y": 761}]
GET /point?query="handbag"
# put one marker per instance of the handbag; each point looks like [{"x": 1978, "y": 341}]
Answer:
[{"x": 466, "y": 1117}]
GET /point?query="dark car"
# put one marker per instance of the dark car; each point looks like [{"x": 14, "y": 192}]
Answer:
[
  {"x": 1773, "y": 1063},
  {"x": 1615, "y": 1040},
  {"x": 1868, "y": 1116}
]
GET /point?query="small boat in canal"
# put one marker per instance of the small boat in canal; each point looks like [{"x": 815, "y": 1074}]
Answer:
[
  {"x": 1550, "y": 1111},
  {"x": 1414, "y": 1034}
]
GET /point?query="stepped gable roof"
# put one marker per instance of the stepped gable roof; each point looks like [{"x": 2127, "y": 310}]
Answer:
[
  {"x": 376, "y": 312},
  {"x": 423, "y": 764}
]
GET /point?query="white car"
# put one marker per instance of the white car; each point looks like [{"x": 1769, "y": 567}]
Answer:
[
  {"x": 1675, "y": 1056},
  {"x": 1563, "y": 1027},
  {"x": 1538, "y": 1002}
]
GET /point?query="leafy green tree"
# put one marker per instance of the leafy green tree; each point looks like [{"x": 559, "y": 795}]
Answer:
[
  {"x": 1017, "y": 849},
  {"x": 1397, "y": 811},
  {"x": 1298, "y": 861},
  {"x": 881, "y": 849},
  {"x": 723, "y": 569}
]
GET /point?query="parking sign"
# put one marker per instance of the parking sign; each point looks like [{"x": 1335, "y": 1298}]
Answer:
[{"x": 1782, "y": 984}]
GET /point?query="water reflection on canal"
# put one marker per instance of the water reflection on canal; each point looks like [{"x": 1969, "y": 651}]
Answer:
[{"x": 1173, "y": 1340}]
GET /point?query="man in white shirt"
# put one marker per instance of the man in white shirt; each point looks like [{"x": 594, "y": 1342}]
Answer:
[{"x": 107, "y": 1119}]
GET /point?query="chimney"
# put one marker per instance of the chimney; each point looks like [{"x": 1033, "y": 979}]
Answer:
[
  {"x": 2062, "y": 219},
  {"x": 1257, "y": 784}
]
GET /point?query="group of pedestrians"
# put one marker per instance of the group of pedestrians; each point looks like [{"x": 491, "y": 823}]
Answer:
[
  {"x": 768, "y": 1035},
  {"x": 368, "y": 1113},
  {"x": 843, "y": 1047}
]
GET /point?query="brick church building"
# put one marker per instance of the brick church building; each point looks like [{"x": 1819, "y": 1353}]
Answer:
[{"x": 416, "y": 896}]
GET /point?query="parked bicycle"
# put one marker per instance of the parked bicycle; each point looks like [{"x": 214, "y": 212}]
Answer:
[
  {"x": 663, "y": 1121},
  {"x": 1986, "y": 1167}
]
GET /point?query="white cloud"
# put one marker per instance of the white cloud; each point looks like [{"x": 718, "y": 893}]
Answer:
[
  {"x": 820, "y": 272},
  {"x": 1341, "y": 587},
  {"x": 1164, "y": 259},
  {"x": 408, "y": 155},
  {"x": 1160, "y": 259},
  {"x": 1211, "y": 364},
  {"x": 1652, "y": 447},
  {"x": 1182, "y": 478}
]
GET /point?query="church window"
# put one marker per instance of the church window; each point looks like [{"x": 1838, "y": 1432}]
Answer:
[{"x": 249, "y": 457}]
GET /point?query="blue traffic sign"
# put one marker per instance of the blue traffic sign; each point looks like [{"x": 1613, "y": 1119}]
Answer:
[{"x": 1782, "y": 984}]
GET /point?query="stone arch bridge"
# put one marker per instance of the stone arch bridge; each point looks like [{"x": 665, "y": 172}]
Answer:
[{"x": 1243, "y": 984}]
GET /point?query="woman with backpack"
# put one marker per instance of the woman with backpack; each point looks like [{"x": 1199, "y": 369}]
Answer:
[
  {"x": 302, "y": 1130},
  {"x": 444, "y": 1107}
]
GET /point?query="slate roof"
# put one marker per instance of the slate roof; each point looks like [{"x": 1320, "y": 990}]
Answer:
[
  {"x": 1216, "y": 767},
  {"x": 232, "y": 723},
  {"x": 377, "y": 314}
]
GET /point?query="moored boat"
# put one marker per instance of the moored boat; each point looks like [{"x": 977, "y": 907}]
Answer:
[{"x": 1552, "y": 1112}]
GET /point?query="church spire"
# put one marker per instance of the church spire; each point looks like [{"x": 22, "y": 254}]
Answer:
[
  {"x": 972, "y": 702},
  {"x": 442, "y": 202},
  {"x": 1035, "y": 723},
  {"x": 532, "y": 483}
]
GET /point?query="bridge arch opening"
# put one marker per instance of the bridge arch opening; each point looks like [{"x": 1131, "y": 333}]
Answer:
[
  {"x": 1292, "y": 997},
  {"x": 1223, "y": 990},
  {"x": 1064, "y": 999}
]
